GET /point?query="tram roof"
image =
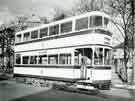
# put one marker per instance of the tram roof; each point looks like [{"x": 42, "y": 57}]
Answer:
[{"x": 98, "y": 13}]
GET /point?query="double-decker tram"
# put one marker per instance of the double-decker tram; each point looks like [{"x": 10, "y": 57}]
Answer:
[{"x": 73, "y": 49}]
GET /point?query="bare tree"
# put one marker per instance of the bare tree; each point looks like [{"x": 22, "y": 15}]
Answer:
[
  {"x": 123, "y": 9},
  {"x": 82, "y": 6},
  {"x": 6, "y": 42},
  {"x": 132, "y": 3},
  {"x": 44, "y": 20},
  {"x": 59, "y": 14},
  {"x": 21, "y": 23}
]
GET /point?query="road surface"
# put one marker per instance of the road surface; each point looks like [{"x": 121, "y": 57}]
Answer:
[{"x": 12, "y": 91}]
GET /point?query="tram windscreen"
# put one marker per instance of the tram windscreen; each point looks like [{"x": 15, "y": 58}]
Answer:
[
  {"x": 107, "y": 57},
  {"x": 98, "y": 56}
]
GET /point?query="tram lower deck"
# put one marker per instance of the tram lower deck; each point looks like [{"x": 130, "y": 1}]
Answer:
[{"x": 91, "y": 64}]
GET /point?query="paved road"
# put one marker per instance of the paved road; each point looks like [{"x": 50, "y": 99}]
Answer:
[
  {"x": 12, "y": 91},
  {"x": 56, "y": 95}
]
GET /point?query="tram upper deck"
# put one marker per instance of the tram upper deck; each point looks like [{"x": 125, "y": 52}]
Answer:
[{"x": 95, "y": 21}]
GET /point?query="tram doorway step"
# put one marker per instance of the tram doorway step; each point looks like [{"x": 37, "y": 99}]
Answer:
[{"x": 85, "y": 85}]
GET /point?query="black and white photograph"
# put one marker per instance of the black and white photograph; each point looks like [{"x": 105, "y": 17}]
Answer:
[{"x": 67, "y": 50}]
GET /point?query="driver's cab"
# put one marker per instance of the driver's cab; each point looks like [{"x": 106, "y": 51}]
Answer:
[{"x": 88, "y": 58}]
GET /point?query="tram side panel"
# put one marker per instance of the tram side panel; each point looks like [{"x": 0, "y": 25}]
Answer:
[
  {"x": 86, "y": 39},
  {"x": 101, "y": 76},
  {"x": 47, "y": 70},
  {"x": 53, "y": 73}
]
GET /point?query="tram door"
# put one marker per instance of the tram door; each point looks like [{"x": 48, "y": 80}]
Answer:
[
  {"x": 85, "y": 55},
  {"x": 83, "y": 69}
]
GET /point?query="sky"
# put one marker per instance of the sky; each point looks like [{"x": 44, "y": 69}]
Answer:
[{"x": 9, "y": 9}]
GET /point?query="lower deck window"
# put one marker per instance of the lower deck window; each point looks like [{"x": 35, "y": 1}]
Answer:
[
  {"x": 18, "y": 59},
  {"x": 53, "y": 59},
  {"x": 42, "y": 59},
  {"x": 25, "y": 59},
  {"x": 77, "y": 58},
  {"x": 33, "y": 60},
  {"x": 65, "y": 59}
]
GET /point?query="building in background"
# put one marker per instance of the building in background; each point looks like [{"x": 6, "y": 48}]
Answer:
[
  {"x": 118, "y": 57},
  {"x": 25, "y": 22}
]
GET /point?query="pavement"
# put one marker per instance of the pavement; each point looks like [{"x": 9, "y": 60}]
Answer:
[
  {"x": 54, "y": 95},
  {"x": 118, "y": 92},
  {"x": 118, "y": 83}
]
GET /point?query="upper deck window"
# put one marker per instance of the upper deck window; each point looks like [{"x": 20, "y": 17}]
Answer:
[
  {"x": 98, "y": 21},
  {"x": 95, "y": 21},
  {"x": 66, "y": 27},
  {"x": 18, "y": 38},
  {"x": 81, "y": 23},
  {"x": 53, "y": 30},
  {"x": 34, "y": 34},
  {"x": 91, "y": 21},
  {"x": 106, "y": 21},
  {"x": 26, "y": 36},
  {"x": 43, "y": 32}
]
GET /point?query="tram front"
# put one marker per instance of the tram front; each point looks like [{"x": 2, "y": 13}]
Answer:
[{"x": 95, "y": 65}]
